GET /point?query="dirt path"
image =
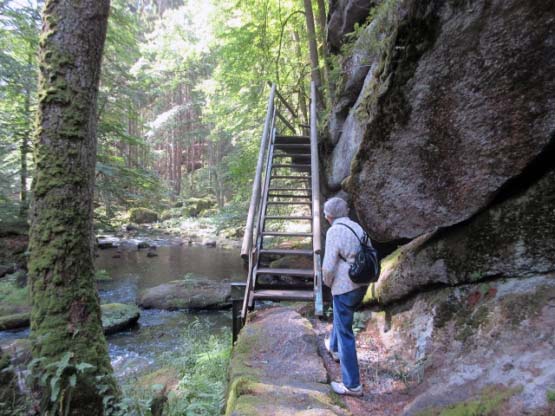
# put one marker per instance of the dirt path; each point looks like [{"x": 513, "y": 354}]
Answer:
[{"x": 385, "y": 394}]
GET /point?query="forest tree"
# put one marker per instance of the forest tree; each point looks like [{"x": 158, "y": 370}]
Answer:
[{"x": 69, "y": 347}]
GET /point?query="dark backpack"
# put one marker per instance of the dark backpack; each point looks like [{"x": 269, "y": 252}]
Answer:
[{"x": 366, "y": 268}]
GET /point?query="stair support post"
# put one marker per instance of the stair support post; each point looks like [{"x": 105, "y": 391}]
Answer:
[{"x": 316, "y": 215}]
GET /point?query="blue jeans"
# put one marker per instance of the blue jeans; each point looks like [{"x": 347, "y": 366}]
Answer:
[{"x": 342, "y": 338}]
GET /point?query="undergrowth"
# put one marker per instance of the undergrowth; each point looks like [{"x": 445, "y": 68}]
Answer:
[{"x": 201, "y": 364}]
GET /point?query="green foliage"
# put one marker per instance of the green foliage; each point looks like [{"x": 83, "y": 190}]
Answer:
[
  {"x": 59, "y": 380},
  {"x": 194, "y": 207},
  {"x": 201, "y": 365},
  {"x": 233, "y": 216}
]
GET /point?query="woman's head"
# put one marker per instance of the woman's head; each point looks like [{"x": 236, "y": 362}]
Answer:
[{"x": 335, "y": 208}]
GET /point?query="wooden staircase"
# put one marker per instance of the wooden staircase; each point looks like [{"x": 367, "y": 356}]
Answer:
[{"x": 284, "y": 212}]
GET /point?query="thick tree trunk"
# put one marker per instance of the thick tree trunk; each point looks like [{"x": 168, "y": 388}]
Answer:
[
  {"x": 65, "y": 321},
  {"x": 313, "y": 48}
]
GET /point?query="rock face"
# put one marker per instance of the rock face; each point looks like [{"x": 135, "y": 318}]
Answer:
[
  {"x": 515, "y": 238},
  {"x": 442, "y": 131},
  {"x": 195, "y": 293},
  {"x": 343, "y": 15},
  {"x": 276, "y": 370},
  {"x": 458, "y": 103},
  {"x": 487, "y": 346}
]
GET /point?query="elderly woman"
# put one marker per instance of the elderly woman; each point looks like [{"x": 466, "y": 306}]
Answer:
[{"x": 341, "y": 248}]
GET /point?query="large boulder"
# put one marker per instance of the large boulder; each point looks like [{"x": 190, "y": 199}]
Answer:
[
  {"x": 275, "y": 369},
  {"x": 469, "y": 350},
  {"x": 457, "y": 107},
  {"x": 191, "y": 293},
  {"x": 515, "y": 238}
]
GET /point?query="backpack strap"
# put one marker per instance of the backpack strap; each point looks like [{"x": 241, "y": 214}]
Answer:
[{"x": 353, "y": 231}]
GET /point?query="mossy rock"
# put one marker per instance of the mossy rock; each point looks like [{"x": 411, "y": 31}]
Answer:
[
  {"x": 165, "y": 379},
  {"x": 13, "y": 228},
  {"x": 168, "y": 214},
  {"x": 118, "y": 317},
  {"x": 191, "y": 293},
  {"x": 194, "y": 207},
  {"x": 275, "y": 369},
  {"x": 15, "y": 321},
  {"x": 492, "y": 401},
  {"x": 142, "y": 215}
]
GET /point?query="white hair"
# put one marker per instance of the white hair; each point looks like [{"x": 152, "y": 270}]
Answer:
[{"x": 336, "y": 208}]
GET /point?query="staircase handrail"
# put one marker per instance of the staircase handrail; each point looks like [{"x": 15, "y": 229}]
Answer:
[{"x": 246, "y": 248}]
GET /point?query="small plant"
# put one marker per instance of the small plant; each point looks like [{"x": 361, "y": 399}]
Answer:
[{"x": 59, "y": 379}]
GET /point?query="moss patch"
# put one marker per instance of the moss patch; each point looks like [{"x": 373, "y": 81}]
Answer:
[
  {"x": 118, "y": 316},
  {"x": 490, "y": 403}
]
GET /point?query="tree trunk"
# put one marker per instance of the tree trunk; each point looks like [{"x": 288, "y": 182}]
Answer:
[
  {"x": 24, "y": 148},
  {"x": 315, "y": 66},
  {"x": 65, "y": 320},
  {"x": 302, "y": 96},
  {"x": 323, "y": 51}
]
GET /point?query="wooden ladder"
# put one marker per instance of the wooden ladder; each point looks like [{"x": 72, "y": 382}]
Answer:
[{"x": 286, "y": 192}]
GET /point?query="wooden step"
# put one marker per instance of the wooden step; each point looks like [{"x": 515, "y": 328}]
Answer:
[
  {"x": 284, "y": 234},
  {"x": 290, "y": 218},
  {"x": 286, "y": 272},
  {"x": 285, "y": 295},
  {"x": 289, "y": 203},
  {"x": 292, "y": 140},
  {"x": 289, "y": 177},
  {"x": 286, "y": 252},
  {"x": 288, "y": 196},
  {"x": 292, "y": 155},
  {"x": 291, "y": 189},
  {"x": 293, "y": 146},
  {"x": 291, "y": 165}
]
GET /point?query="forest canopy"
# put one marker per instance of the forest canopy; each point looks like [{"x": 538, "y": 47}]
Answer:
[{"x": 181, "y": 101}]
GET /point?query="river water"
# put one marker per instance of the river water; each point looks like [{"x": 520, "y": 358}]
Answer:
[{"x": 159, "y": 333}]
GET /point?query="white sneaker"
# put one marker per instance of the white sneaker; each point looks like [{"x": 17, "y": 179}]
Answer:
[
  {"x": 333, "y": 354},
  {"x": 340, "y": 388}
]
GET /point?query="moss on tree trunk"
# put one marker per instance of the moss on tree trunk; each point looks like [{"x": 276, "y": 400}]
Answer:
[{"x": 65, "y": 321}]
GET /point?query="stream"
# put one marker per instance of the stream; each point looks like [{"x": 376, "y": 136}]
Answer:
[{"x": 159, "y": 333}]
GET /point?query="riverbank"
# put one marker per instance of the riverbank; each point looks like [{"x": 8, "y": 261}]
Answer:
[{"x": 177, "y": 357}]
